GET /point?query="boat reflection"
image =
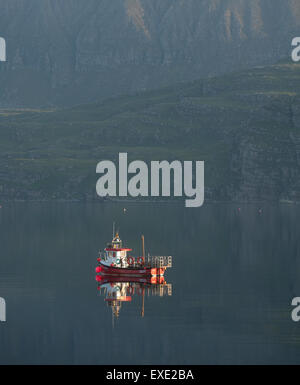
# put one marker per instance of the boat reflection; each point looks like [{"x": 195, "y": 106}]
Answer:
[{"x": 118, "y": 290}]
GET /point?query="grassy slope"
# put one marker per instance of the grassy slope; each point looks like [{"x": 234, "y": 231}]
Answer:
[{"x": 54, "y": 153}]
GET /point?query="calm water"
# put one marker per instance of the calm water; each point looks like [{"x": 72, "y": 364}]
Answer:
[{"x": 233, "y": 278}]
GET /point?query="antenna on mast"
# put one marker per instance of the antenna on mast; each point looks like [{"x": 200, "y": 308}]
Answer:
[{"x": 114, "y": 229}]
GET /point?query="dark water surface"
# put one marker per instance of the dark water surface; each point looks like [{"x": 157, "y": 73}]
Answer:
[{"x": 233, "y": 278}]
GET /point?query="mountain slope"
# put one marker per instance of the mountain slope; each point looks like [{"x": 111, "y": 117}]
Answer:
[
  {"x": 73, "y": 51},
  {"x": 245, "y": 126}
]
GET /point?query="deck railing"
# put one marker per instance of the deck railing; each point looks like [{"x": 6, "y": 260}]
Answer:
[
  {"x": 150, "y": 262},
  {"x": 158, "y": 262},
  {"x": 161, "y": 290}
]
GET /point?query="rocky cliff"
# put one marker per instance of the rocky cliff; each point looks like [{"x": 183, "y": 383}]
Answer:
[
  {"x": 77, "y": 51},
  {"x": 245, "y": 126}
]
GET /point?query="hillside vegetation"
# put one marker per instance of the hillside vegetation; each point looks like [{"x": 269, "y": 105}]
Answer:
[{"x": 245, "y": 126}]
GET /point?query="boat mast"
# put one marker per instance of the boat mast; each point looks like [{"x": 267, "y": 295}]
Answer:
[{"x": 143, "y": 246}]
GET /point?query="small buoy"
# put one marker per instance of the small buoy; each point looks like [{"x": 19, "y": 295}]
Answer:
[
  {"x": 98, "y": 278},
  {"x": 99, "y": 259},
  {"x": 98, "y": 269},
  {"x": 124, "y": 210}
]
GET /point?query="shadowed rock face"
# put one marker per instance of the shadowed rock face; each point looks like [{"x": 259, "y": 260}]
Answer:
[
  {"x": 244, "y": 125},
  {"x": 74, "y": 51}
]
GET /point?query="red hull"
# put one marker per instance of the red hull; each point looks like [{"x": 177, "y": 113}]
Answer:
[
  {"x": 140, "y": 280},
  {"x": 132, "y": 272}
]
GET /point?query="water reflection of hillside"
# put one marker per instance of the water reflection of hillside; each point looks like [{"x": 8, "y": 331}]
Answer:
[{"x": 236, "y": 273}]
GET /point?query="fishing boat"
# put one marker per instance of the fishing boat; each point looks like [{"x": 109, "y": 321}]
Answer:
[{"x": 115, "y": 261}]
